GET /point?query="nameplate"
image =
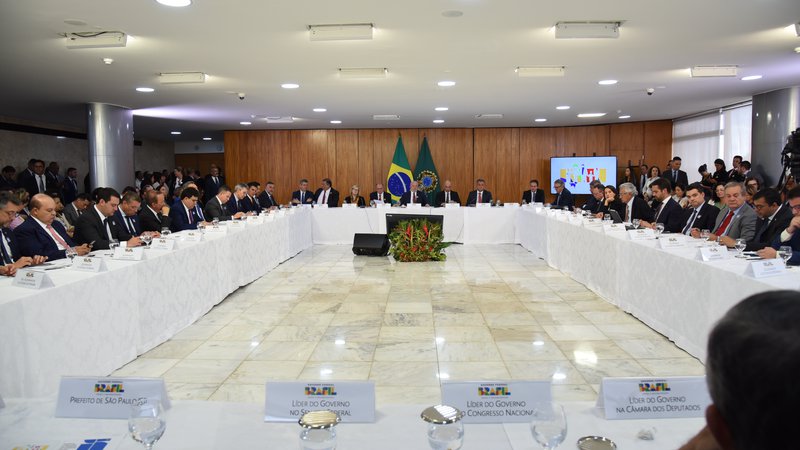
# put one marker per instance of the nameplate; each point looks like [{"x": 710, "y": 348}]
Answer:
[
  {"x": 306, "y": 205},
  {"x": 414, "y": 205},
  {"x": 613, "y": 228},
  {"x": 715, "y": 253},
  {"x": 89, "y": 264},
  {"x": 32, "y": 279},
  {"x": 354, "y": 401},
  {"x": 452, "y": 205},
  {"x": 128, "y": 254},
  {"x": 766, "y": 268},
  {"x": 107, "y": 398},
  {"x": 383, "y": 205},
  {"x": 219, "y": 230},
  {"x": 641, "y": 234},
  {"x": 667, "y": 241},
  {"x": 323, "y": 205},
  {"x": 289, "y": 211},
  {"x": 236, "y": 225},
  {"x": 510, "y": 205},
  {"x": 193, "y": 236},
  {"x": 593, "y": 222},
  {"x": 496, "y": 401},
  {"x": 349, "y": 205},
  {"x": 483, "y": 205},
  {"x": 255, "y": 220},
  {"x": 280, "y": 213},
  {"x": 650, "y": 398},
  {"x": 162, "y": 244},
  {"x": 268, "y": 218}
]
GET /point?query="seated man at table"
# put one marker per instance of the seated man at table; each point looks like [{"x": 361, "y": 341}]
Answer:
[
  {"x": 184, "y": 216},
  {"x": 250, "y": 200},
  {"x": 414, "y": 196},
  {"x": 667, "y": 211},
  {"x": 217, "y": 206},
  {"x": 700, "y": 215},
  {"x": 447, "y": 195},
  {"x": 10, "y": 257},
  {"x": 595, "y": 203},
  {"x": 480, "y": 194},
  {"x": 751, "y": 370},
  {"x": 154, "y": 216},
  {"x": 790, "y": 236},
  {"x": 534, "y": 194},
  {"x": 635, "y": 207},
  {"x": 42, "y": 235},
  {"x": 326, "y": 194},
  {"x": 99, "y": 226},
  {"x": 773, "y": 218},
  {"x": 127, "y": 216},
  {"x": 380, "y": 195},
  {"x": 564, "y": 197},
  {"x": 303, "y": 196},
  {"x": 736, "y": 220},
  {"x": 267, "y": 198},
  {"x": 236, "y": 201}
]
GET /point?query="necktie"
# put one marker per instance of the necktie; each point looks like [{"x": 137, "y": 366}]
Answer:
[
  {"x": 723, "y": 227},
  {"x": 216, "y": 183},
  {"x": 108, "y": 228},
  {"x": 412, "y": 196},
  {"x": 761, "y": 230},
  {"x": 325, "y": 197},
  {"x": 558, "y": 200},
  {"x": 628, "y": 215},
  {"x": 41, "y": 183},
  {"x": 447, "y": 197},
  {"x": 6, "y": 254},
  {"x": 191, "y": 216},
  {"x": 660, "y": 208},
  {"x": 675, "y": 175},
  {"x": 131, "y": 228},
  {"x": 688, "y": 228},
  {"x": 57, "y": 237},
  {"x": 302, "y": 197},
  {"x": 480, "y": 197}
]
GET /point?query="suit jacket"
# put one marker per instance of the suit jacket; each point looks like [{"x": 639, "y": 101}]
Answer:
[
  {"x": 31, "y": 184},
  {"x": 122, "y": 226},
  {"x": 616, "y": 205},
  {"x": 179, "y": 220},
  {"x": 672, "y": 216},
  {"x": 359, "y": 201},
  {"x": 639, "y": 210},
  {"x": 472, "y": 197},
  {"x": 152, "y": 222},
  {"x": 387, "y": 197},
  {"x": 538, "y": 198},
  {"x": 70, "y": 190},
  {"x": 704, "y": 220},
  {"x": 308, "y": 197},
  {"x": 211, "y": 189},
  {"x": 440, "y": 198},
  {"x": 90, "y": 228},
  {"x": 33, "y": 240},
  {"x": 421, "y": 198},
  {"x": 268, "y": 201},
  {"x": 764, "y": 236},
  {"x": 71, "y": 213},
  {"x": 793, "y": 242},
  {"x": 565, "y": 199},
  {"x": 592, "y": 205},
  {"x": 333, "y": 197},
  {"x": 233, "y": 206},
  {"x": 10, "y": 237},
  {"x": 216, "y": 210},
  {"x": 7, "y": 183},
  {"x": 682, "y": 178},
  {"x": 742, "y": 226},
  {"x": 251, "y": 204}
]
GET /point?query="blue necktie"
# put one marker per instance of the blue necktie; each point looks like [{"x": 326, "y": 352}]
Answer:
[{"x": 6, "y": 257}]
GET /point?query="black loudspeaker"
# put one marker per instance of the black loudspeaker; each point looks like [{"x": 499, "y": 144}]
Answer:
[{"x": 370, "y": 244}]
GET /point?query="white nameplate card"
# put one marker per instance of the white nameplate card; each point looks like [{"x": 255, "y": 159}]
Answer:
[
  {"x": 255, "y": 220},
  {"x": 236, "y": 225},
  {"x": 384, "y": 205},
  {"x": 483, "y": 205},
  {"x": 162, "y": 244},
  {"x": 128, "y": 254},
  {"x": 193, "y": 236},
  {"x": 649, "y": 398},
  {"x": 289, "y": 211},
  {"x": 414, "y": 205},
  {"x": 107, "y": 398},
  {"x": 280, "y": 212},
  {"x": 32, "y": 279},
  {"x": 613, "y": 228},
  {"x": 323, "y": 205},
  {"x": 217, "y": 231},
  {"x": 349, "y": 205},
  {"x": 354, "y": 401},
  {"x": 89, "y": 264},
  {"x": 667, "y": 241},
  {"x": 641, "y": 234},
  {"x": 268, "y": 218},
  {"x": 452, "y": 205},
  {"x": 715, "y": 253},
  {"x": 305, "y": 205},
  {"x": 495, "y": 401},
  {"x": 766, "y": 268},
  {"x": 593, "y": 222},
  {"x": 511, "y": 205}
]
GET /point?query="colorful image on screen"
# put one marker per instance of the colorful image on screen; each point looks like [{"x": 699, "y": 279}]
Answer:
[{"x": 578, "y": 172}]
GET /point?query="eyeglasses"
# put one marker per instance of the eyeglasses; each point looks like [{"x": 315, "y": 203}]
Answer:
[
  {"x": 795, "y": 207},
  {"x": 11, "y": 214}
]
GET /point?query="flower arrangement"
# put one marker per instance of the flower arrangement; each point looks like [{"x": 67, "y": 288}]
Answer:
[{"x": 418, "y": 240}]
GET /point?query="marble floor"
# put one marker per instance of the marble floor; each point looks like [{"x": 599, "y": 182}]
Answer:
[{"x": 488, "y": 312}]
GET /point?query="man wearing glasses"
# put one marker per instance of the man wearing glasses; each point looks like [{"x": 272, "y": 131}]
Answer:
[
  {"x": 9, "y": 251},
  {"x": 791, "y": 235}
]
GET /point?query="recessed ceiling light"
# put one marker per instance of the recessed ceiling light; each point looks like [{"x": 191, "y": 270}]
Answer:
[
  {"x": 540, "y": 120},
  {"x": 175, "y": 132},
  {"x": 144, "y": 89},
  {"x": 441, "y": 108},
  {"x": 562, "y": 107},
  {"x": 320, "y": 109},
  {"x": 61, "y": 137},
  {"x": 108, "y": 61},
  {"x": 336, "y": 122},
  {"x": 607, "y": 82},
  {"x": 797, "y": 49},
  {"x": 290, "y": 85},
  {"x": 590, "y": 115},
  {"x": 175, "y": 3},
  {"x": 438, "y": 121},
  {"x": 206, "y": 138},
  {"x": 452, "y": 14},
  {"x": 245, "y": 123},
  {"x": 625, "y": 117},
  {"x": 751, "y": 77},
  {"x": 446, "y": 83}
]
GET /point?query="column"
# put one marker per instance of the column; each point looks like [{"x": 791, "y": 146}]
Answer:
[{"x": 110, "y": 135}]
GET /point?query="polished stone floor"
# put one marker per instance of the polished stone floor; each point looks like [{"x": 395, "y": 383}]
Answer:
[{"x": 488, "y": 312}]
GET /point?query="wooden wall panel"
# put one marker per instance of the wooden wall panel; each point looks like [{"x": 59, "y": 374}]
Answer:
[
  {"x": 347, "y": 157},
  {"x": 452, "y": 152},
  {"x": 658, "y": 143},
  {"x": 485, "y": 158},
  {"x": 497, "y": 156},
  {"x": 200, "y": 161},
  {"x": 582, "y": 141},
  {"x": 369, "y": 170},
  {"x": 310, "y": 158},
  {"x": 536, "y": 146}
]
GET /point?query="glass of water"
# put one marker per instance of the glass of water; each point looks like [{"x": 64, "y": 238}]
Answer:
[
  {"x": 165, "y": 232},
  {"x": 549, "y": 426},
  {"x": 445, "y": 431},
  {"x": 113, "y": 244},
  {"x": 659, "y": 229},
  {"x": 785, "y": 253},
  {"x": 319, "y": 430},
  {"x": 636, "y": 223},
  {"x": 741, "y": 244},
  {"x": 147, "y": 423},
  {"x": 70, "y": 253},
  {"x": 147, "y": 238}
]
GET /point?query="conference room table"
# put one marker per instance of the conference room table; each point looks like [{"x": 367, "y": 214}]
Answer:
[{"x": 94, "y": 323}]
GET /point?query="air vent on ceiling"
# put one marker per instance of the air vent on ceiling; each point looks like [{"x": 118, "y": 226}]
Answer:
[
  {"x": 95, "y": 39},
  {"x": 280, "y": 119},
  {"x": 488, "y": 116},
  {"x": 181, "y": 77},
  {"x": 341, "y": 32},
  {"x": 385, "y": 117},
  {"x": 714, "y": 71},
  {"x": 587, "y": 30},
  {"x": 362, "y": 72}
]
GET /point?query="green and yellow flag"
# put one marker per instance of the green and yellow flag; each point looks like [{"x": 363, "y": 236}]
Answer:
[
  {"x": 426, "y": 172},
  {"x": 399, "y": 179}
]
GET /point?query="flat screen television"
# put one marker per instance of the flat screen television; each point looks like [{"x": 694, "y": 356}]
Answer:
[
  {"x": 578, "y": 171},
  {"x": 392, "y": 219}
]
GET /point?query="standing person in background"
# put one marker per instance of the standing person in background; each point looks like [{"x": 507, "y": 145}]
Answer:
[
  {"x": 720, "y": 175},
  {"x": 627, "y": 176},
  {"x": 655, "y": 173}
]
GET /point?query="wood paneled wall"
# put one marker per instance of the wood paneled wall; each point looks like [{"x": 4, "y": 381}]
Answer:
[
  {"x": 507, "y": 158},
  {"x": 200, "y": 161}
]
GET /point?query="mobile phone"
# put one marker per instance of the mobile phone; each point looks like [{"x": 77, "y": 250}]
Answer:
[{"x": 91, "y": 244}]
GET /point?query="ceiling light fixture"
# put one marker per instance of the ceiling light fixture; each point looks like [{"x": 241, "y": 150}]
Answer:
[
  {"x": 438, "y": 120},
  {"x": 385, "y": 117},
  {"x": 452, "y": 14},
  {"x": 319, "y": 109},
  {"x": 752, "y": 77},
  {"x": 446, "y": 83},
  {"x": 562, "y": 107},
  {"x": 206, "y": 138},
  {"x": 95, "y": 39},
  {"x": 340, "y": 32},
  {"x": 488, "y": 116},
  {"x": 336, "y": 122},
  {"x": 797, "y": 49},
  {"x": 714, "y": 71},
  {"x": 175, "y": 132},
  {"x": 175, "y": 3},
  {"x": 540, "y": 120},
  {"x": 625, "y": 117},
  {"x": 144, "y": 89},
  {"x": 587, "y": 30},
  {"x": 590, "y": 115},
  {"x": 108, "y": 61},
  {"x": 245, "y": 123},
  {"x": 607, "y": 82},
  {"x": 290, "y": 85},
  {"x": 541, "y": 71},
  {"x": 363, "y": 72},
  {"x": 181, "y": 77},
  {"x": 441, "y": 108}
]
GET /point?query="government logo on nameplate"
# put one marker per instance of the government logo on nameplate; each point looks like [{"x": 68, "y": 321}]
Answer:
[
  {"x": 89, "y": 264},
  {"x": 128, "y": 254},
  {"x": 766, "y": 268},
  {"x": 216, "y": 231},
  {"x": 353, "y": 401},
  {"x": 641, "y": 234},
  {"x": 236, "y": 225},
  {"x": 107, "y": 398},
  {"x": 495, "y": 401},
  {"x": 349, "y": 205},
  {"x": 414, "y": 205},
  {"x": 452, "y": 205},
  {"x": 193, "y": 236},
  {"x": 255, "y": 220},
  {"x": 32, "y": 279},
  {"x": 667, "y": 241},
  {"x": 716, "y": 253},
  {"x": 162, "y": 244},
  {"x": 613, "y": 228},
  {"x": 592, "y": 222},
  {"x": 651, "y": 398},
  {"x": 483, "y": 205}
]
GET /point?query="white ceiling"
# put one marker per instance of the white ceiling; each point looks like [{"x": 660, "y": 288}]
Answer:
[{"x": 253, "y": 46}]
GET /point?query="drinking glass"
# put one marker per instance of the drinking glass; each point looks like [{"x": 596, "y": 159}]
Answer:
[
  {"x": 704, "y": 234},
  {"x": 112, "y": 245},
  {"x": 659, "y": 229},
  {"x": 740, "y": 246},
  {"x": 165, "y": 232},
  {"x": 606, "y": 217},
  {"x": 147, "y": 423},
  {"x": 147, "y": 238},
  {"x": 215, "y": 222},
  {"x": 71, "y": 253},
  {"x": 319, "y": 430},
  {"x": 636, "y": 223},
  {"x": 785, "y": 252},
  {"x": 445, "y": 431},
  {"x": 549, "y": 425}
]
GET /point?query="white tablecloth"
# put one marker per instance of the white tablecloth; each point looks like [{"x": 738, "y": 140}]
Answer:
[
  {"x": 197, "y": 425},
  {"x": 671, "y": 291},
  {"x": 92, "y": 324}
]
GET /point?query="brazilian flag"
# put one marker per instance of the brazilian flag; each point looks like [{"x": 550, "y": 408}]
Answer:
[
  {"x": 399, "y": 179},
  {"x": 426, "y": 173}
]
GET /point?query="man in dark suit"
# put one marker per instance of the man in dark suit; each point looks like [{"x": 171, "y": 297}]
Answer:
[
  {"x": 302, "y": 196},
  {"x": 327, "y": 194},
  {"x": 642, "y": 179},
  {"x": 251, "y": 201},
  {"x": 734, "y": 174},
  {"x": 176, "y": 180},
  {"x": 534, "y": 194},
  {"x": 212, "y": 182},
  {"x": 236, "y": 202},
  {"x": 36, "y": 183},
  {"x": 74, "y": 209},
  {"x": 27, "y": 173},
  {"x": 217, "y": 207},
  {"x": 98, "y": 223},
  {"x": 700, "y": 216},
  {"x": 414, "y": 195},
  {"x": 267, "y": 198},
  {"x": 447, "y": 195},
  {"x": 635, "y": 207},
  {"x": 127, "y": 218},
  {"x": 480, "y": 194},
  {"x": 773, "y": 218},
  {"x": 667, "y": 211},
  {"x": 185, "y": 216},
  {"x": 563, "y": 196},
  {"x": 675, "y": 175},
  {"x": 7, "y": 181},
  {"x": 791, "y": 234},
  {"x": 53, "y": 177},
  {"x": 596, "y": 202},
  {"x": 70, "y": 188},
  {"x": 42, "y": 235},
  {"x": 154, "y": 216},
  {"x": 737, "y": 220},
  {"x": 380, "y": 195},
  {"x": 11, "y": 258}
]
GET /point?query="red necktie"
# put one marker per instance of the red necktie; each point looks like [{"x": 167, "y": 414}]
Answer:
[
  {"x": 724, "y": 225},
  {"x": 480, "y": 197},
  {"x": 191, "y": 216},
  {"x": 57, "y": 237}
]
